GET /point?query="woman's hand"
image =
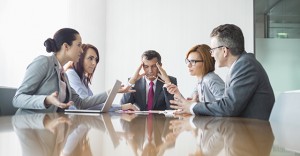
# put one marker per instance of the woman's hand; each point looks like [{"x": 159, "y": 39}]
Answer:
[{"x": 53, "y": 100}]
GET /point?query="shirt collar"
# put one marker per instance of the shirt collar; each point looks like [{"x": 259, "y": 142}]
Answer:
[{"x": 148, "y": 81}]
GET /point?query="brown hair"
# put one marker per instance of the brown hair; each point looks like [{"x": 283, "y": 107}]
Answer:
[
  {"x": 208, "y": 61},
  {"x": 78, "y": 67}
]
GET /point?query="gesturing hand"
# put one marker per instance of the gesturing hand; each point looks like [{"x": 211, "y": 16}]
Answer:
[
  {"x": 52, "y": 99},
  {"x": 126, "y": 89}
]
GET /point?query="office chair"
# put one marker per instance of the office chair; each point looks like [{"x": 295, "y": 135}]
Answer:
[
  {"x": 287, "y": 107},
  {"x": 6, "y": 96}
]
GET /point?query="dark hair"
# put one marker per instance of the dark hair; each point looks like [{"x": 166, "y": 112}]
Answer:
[
  {"x": 78, "y": 67},
  {"x": 150, "y": 54},
  {"x": 64, "y": 35},
  {"x": 231, "y": 36},
  {"x": 203, "y": 51}
]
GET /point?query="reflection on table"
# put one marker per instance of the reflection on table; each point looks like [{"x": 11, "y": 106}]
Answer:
[{"x": 137, "y": 134}]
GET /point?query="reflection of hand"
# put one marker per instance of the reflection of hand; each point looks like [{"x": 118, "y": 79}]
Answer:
[
  {"x": 51, "y": 124},
  {"x": 136, "y": 75},
  {"x": 179, "y": 126},
  {"x": 163, "y": 74},
  {"x": 126, "y": 89},
  {"x": 53, "y": 99},
  {"x": 128, "y": 117}
]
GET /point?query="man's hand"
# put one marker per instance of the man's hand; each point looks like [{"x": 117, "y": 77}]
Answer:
[
  {"x": 163, "y": 74},
  {"x": 53, "y": 99},
  {"x": 137, "y": 75},
  {"x": 181, "y": 105}
]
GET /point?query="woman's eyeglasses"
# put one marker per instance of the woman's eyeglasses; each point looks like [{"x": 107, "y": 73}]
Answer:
[{"x": 192, "y": 62}]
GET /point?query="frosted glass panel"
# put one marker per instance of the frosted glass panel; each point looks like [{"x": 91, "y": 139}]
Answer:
[{"x": 281, "y": 59}]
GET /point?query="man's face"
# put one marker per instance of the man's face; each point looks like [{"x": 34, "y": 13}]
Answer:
[
  {"x": 150, "y": 68},
  {"x": 217, "y": 53}
]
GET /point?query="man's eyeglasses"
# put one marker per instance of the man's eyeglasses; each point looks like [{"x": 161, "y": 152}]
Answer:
[
  {"x": 212, "y": 49},
  {"x": 192, "y": 62}
]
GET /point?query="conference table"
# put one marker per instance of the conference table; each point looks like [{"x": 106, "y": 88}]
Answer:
[{"x": 144, "y": 133}]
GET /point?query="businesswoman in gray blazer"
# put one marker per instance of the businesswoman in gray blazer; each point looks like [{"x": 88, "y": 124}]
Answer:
[
  {"x": 45, "y": 87},
  {"x": 210, "y": 87}
]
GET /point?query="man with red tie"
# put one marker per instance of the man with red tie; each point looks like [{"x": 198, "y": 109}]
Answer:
[{"x": 150, "y": 94}]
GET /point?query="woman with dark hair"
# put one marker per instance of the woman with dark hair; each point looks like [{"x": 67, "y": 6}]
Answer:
[
  {"x": 45, "y": 88},
  {"x": 81, "y": 73},
  {"x": 210, "y": 87}
]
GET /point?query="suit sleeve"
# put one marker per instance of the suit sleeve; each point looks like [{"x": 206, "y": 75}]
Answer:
[
  {"x": 242, "y": 85},
  {"x": 35, "y": 73}
]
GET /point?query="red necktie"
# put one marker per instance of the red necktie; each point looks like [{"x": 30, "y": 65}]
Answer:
[
  {"x": 150, "y": 96},
  {"x": 149, "y": 126}
]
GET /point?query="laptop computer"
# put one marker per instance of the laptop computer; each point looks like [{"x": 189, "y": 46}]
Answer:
[{"x": 107, "y": 104}]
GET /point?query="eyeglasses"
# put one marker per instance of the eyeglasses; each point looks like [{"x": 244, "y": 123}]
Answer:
[
  {"x": 212, "y": 49},
  {"x": 192, "y": 62}
]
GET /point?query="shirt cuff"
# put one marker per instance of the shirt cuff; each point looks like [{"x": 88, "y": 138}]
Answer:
[
  {"x": 129, "y": 84},
  {"x": 192, "y": 107}
]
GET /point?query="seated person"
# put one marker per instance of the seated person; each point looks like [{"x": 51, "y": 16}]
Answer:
[
  {"x": 210, "y": 86},
  {"x": 147, "y": 96},
  {"x": 80, "y": 74},
  {"x": 248, "y": 91}
]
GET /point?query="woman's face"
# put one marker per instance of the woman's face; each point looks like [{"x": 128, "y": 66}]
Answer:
[
  {"x": 195, "y": 70},
  {"x": 90, "y": 61},
  {"x": 75, "y": 49}
]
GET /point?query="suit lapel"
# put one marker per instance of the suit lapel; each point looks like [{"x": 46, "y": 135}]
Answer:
[
  {"x": 157, "y": 92},
  {"x": 143, "y": 91}
]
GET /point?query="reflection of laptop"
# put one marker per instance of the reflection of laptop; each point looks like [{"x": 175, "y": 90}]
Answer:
[
  {"x": 107, "y": 104},
  {"x": 110, "y": 129}
]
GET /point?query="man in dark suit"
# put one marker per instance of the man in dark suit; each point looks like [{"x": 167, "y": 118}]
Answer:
[
  {"x": 248, "y": 92},
  {"x": 155, "y": 74}
]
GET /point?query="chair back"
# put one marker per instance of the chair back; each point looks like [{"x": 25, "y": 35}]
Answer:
[
  {"x": 287, "y": 107},
  {"x": 6, "y": 96}
]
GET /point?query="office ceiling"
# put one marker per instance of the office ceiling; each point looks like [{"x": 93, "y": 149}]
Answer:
[{"x": 279, "y": 16}]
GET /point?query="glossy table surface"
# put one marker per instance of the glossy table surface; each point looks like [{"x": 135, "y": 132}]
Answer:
[{"x": 144, "y": 134}]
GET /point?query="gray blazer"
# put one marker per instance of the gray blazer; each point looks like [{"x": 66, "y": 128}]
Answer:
[
  {"x": 161, "y": 96},
  {"x": 248, "y": 92},
  {"x": 42, "y": 79}
]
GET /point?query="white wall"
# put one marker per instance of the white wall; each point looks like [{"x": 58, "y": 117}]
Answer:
[
  {"x": 121, "y": 29},
  {"x": 25, "y": 25}
]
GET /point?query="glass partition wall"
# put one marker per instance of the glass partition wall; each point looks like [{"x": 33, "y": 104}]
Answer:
[{"x": 277, "y": 39}]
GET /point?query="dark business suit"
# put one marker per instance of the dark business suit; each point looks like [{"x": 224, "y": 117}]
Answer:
[
  {"x": 248, "y": 92},
  {"x": 42, "y": 79},
  {"x": 161, "y": 96}
]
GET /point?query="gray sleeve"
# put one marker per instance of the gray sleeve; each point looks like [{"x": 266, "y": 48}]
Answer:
[
  {"x": 242, "y": 85},
  {"x": 35, "y": 73}
]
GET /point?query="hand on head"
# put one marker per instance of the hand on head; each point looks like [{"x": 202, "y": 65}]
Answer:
[
  {"x": 52, "y": 99},
  {"x": 137, "y": 75},
  {"x": 163, "y": 74}
]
